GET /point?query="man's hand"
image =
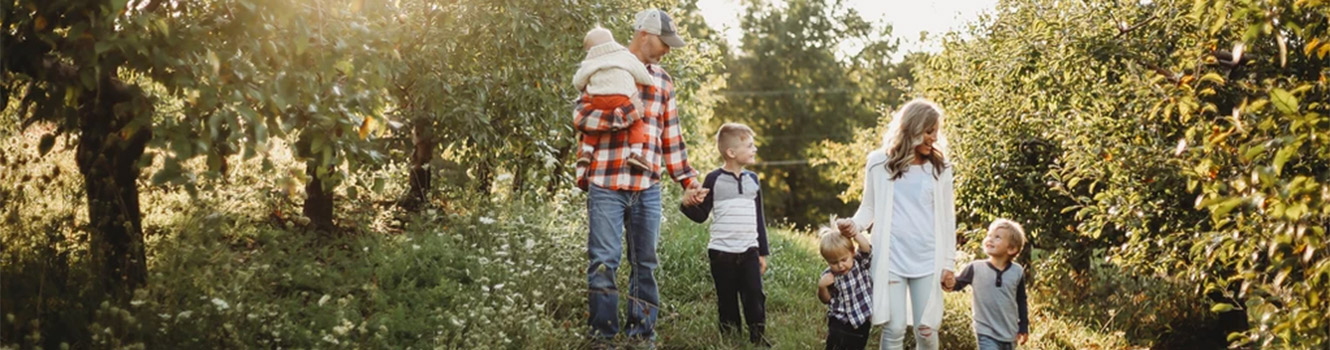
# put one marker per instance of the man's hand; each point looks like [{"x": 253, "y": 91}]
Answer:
[
  {"x": 1021, "y": 338},
  {"x": 762, "y": 260},
  {"x": 694, "y": 195},
  {"x": 847, "y": 228},
  {"x": 948, "y": 280}
]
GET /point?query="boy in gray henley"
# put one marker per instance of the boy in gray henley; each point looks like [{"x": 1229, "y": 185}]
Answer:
[
  {"x": 738, "y": 247},
  {"x": 1001, "y": 314}
]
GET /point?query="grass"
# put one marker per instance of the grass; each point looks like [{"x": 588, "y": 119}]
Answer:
[
  {"x": 229, "y": 270},
  {"x": 796, "y": 319}
]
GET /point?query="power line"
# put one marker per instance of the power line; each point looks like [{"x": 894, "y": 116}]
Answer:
[
  {"x": 783, "y": 162},
  {"x": 785, "y": 92}
]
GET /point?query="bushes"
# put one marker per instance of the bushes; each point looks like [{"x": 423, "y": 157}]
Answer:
[
  {"x": 1151, "y": 147},
  {"x": 472, "y": 283},
  {"x": 232, "y": 268}
]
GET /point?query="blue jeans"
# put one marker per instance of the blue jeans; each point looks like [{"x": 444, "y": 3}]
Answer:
[
  {"x": 988, "y": 343},
  {"x": 610, "y": 212}
]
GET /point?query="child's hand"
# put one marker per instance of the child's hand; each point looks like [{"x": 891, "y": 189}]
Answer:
[
  {"x": 846, "y": 227},
  {"x": 948, "y": 280},
  {"x": 763, "y": 261},
  {"x": 694, "y": 195},
  {"x": 1021, "y": 338},
  {"x": 827, "y": 281}
]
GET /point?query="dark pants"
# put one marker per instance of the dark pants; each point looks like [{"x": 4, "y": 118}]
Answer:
[
  {"x": 739, "y": 276},
  {"x": 843, "y": 336}
]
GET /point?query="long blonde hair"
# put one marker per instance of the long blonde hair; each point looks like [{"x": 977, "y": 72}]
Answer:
[{"x": 907, "y": 131}]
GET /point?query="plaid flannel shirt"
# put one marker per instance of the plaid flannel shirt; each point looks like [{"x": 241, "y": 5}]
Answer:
[
  {"x": 665, "y": 139},
  {"x": 851, "y": 294}
]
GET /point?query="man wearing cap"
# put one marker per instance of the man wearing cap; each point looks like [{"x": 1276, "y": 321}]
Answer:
[{"x": 621, "y": 197}]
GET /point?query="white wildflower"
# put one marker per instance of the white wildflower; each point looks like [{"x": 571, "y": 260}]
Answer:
[
  {"x": 486, "y": 220},
  {"x": 324, "y": 299},
  {"x": 136, "y": 302},
  {"x": 185, "y": 314},
  {"x": 221, "y": 304},
  {"x": 415, "y": 247},
  {"x": 503, "y": 177},
  {"x": 499, "y": 286},
  {"x": 343, "y": 328}
]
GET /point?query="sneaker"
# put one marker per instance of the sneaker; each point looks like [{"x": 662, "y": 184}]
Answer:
[
  {"x": 638, "y": 161},
  {"x": 642, "y": 344},
  {"x": 757, "y": 336},
  {"x": 598, "y": 343}
]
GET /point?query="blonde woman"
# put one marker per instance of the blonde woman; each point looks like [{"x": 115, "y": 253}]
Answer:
[{"x": 909, "y": 205}]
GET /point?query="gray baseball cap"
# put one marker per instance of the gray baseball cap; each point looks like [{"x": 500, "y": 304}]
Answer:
[{"x": 657, "y": 22}]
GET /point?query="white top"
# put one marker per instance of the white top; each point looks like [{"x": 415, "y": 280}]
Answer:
[
  {"x": 610, "y": 69},
  {"x": 876, "y": 211},
  {"x": 912, "y": 228}
]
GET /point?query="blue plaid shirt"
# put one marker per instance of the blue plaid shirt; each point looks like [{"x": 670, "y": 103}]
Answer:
[{"x": 851, "y": 294}]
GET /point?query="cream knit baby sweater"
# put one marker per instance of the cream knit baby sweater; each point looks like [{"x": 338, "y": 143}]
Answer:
[{"x": 609, "y": 69}]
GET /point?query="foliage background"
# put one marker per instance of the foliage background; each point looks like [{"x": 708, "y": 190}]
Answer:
[{"x": 1169, "y": 160}]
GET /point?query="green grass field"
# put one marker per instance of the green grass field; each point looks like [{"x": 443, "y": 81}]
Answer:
[
  {"x": 796, "y": 319},
  {"x": 494, "y": 273}
]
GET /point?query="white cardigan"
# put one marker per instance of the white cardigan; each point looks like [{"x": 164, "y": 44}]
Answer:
[{"x": 875, "y": 209}]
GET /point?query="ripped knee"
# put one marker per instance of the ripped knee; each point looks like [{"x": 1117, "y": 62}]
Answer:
[{"x": 925, "y": 331}]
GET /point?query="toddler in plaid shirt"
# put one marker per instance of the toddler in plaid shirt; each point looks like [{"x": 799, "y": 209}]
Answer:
[
  {"x": 610, "y": 74},
  {"x": 846, "y": 287}
]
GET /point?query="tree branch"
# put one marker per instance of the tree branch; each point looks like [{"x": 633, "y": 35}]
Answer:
[{"x": 1123, "y": 31}]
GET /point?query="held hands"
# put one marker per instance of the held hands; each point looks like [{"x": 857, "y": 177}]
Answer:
[
  {"x": 847, "y": 228},
  {"x": 694, "y": 195},
  {"x": 948, "y": 280}
]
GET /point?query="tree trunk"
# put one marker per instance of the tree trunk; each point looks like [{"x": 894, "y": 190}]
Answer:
[
  {"x": 108, "y": 157},
  {"x": 483, "y": 174},
  {"x": 422, "y": 138},
  {"x": 318, "y": 201},
  {"x": 560, "y": 168},
  {"x": 519, "y": 177}
]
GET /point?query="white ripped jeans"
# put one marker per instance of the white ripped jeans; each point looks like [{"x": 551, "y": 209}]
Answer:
[{"x": 920, "y": 290}]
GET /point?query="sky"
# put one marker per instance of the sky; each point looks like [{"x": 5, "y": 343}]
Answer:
[{"x": 907, "y": 17}]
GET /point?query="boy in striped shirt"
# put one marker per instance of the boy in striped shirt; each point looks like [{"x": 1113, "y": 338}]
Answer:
[{"x": 738, "y": 247}]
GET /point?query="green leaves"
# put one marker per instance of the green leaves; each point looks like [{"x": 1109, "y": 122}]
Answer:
[
  {"x": 1284, "y": 101},
  {"x": 1284, "y": 154},
  {"x": 1225, "y": 211}
]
